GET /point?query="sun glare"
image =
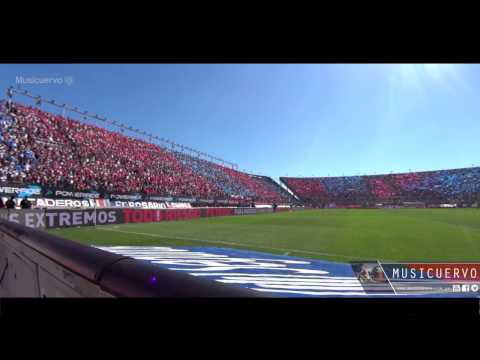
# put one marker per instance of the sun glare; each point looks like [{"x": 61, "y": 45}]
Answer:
[{"x": 421, "y": 76}]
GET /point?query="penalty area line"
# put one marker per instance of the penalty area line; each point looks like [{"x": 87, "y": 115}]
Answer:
[{"x": 230, "y": 243}]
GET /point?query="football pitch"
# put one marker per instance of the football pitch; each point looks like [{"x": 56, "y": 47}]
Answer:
[{"x": 329, "y": 234}]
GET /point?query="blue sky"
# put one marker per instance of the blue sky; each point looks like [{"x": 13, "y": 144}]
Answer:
[{"x": 287, "y": 119}]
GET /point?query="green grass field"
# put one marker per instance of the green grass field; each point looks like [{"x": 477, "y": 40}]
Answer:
[{"x": 336, "y": 234}]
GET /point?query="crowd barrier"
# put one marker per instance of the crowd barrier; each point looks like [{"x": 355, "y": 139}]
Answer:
[
  {"x": 34, "y": 263},
  {"x": 63, "y": 218}
]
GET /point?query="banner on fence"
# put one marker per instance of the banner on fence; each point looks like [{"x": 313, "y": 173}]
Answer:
[
  {"x": 70, "y": 218},
  {"x": 63, "y": 218},
  {"x": 31, "y": 218}
]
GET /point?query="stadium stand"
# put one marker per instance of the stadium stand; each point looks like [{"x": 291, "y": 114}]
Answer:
[
  {"x": 236, "y": 183},
  {"x": 431, "y": 187},
  {"x": 37, "y": 147}
]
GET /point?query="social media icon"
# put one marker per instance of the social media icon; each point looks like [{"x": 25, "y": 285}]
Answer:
[
  {"x": 465, "y": 288},
  {"x": 474, "y": 288},
  {"x": 456, "y": 288}
]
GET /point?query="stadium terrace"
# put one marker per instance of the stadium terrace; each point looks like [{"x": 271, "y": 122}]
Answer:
[
  {"x": 41, "y": 148},
  {"x": 416, "y": 189},
  {"x": 52, "y": 151}
]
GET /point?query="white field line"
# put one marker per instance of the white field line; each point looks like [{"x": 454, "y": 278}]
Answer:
[{"x": 229, "y": 243}]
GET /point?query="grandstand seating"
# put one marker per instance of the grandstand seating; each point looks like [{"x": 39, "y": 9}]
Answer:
[
  {"x": 38, "y": 147},
  {"x": 456, "y": 185},
  {"x": 236, "y": 183}
]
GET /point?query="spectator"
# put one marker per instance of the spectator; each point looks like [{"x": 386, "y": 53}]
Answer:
[
  {"x": 10, "y": 204},
  {"x": 25, "y": 203}
]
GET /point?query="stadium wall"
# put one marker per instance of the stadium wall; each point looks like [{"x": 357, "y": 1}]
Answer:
[
  {"x": 34, "y": 263},
  {"x": 63, "y": 218}
]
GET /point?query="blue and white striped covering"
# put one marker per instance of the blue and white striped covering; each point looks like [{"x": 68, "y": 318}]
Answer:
[{"x": 275, "y": 274}]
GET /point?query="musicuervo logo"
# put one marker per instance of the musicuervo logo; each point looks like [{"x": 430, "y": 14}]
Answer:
[{"x": 44, "y": 80}]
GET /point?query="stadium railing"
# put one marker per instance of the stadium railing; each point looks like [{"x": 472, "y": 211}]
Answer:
[{"x": 34, "y": 263}]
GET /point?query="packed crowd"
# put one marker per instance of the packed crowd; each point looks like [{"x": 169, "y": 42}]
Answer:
[
  {"x": 259, "y": 185},
  {"x": 236, "y": 183},
  {"x": 50, "y": 150},
  {"x": 16, "y": 156},
  {"x": 459, "y": 185},
  {"x": 311, "y": 190},
  {"x": 345, "y": 187},
  {"x": 215, "y": 174},
  {"x": 37, "y": 147},
  {"x": 381, "y": 188}
]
